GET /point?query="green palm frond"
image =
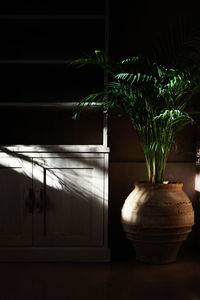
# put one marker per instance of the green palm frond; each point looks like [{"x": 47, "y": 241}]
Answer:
[
  {"x": 130, "y": 60},
  {"x": 153, "y": 96}
]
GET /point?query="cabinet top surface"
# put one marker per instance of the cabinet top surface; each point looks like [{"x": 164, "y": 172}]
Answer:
[{"x": 55, "y": 148}]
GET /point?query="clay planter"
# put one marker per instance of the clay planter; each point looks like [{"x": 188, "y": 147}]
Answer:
[{"x": 157, "y": 218}]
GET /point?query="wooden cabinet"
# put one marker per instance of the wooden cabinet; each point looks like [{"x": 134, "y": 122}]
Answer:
[
  {"x": 15, "y": 219},
  {"x": 53, "y": 198},
  {"x": 53, "y": 203}
]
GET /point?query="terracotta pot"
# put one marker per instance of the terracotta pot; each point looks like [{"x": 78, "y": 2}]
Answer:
[{"x": 157, "y": 219}]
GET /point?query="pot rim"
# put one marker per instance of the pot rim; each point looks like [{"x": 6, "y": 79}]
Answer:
[{"x": 165, "y": 185}]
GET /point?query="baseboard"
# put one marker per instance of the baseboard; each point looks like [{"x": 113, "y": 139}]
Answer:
[{"x": 54, "y": 254}]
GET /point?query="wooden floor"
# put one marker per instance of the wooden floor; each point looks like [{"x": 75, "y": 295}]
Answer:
[{"x": 123, "y": 279}]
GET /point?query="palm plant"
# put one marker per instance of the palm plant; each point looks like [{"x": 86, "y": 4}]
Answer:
[{"x": 153, "y": 96}]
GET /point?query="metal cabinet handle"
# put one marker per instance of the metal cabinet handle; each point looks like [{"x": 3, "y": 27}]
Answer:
[
  {"x": 29, "y": 203},
  {"x": 39, "y": 195}
]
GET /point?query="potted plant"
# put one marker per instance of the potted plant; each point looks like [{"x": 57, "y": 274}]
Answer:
[{"x": 157, "y": 216}]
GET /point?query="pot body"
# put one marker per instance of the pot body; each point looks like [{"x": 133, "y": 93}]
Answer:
[{"x": 157, "y": 219}]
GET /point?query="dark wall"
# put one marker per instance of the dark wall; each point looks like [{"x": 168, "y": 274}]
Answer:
[
  {"x": 170, "y": 31},
  {"x": 140, "y": 26}
]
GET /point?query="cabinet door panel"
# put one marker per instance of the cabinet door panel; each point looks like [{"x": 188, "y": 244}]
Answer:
[
  {"x": 69, "y": 201},
  {"x": 15, "y": 218}
]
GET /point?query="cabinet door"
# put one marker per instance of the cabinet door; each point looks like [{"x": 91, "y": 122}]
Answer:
[
  {"x": 68, "y": 201},
  {"x": 15, "y": 189}
]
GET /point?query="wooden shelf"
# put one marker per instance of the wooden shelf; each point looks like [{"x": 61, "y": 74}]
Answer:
[
  {"x": 52, "y": 17},
  {"x": 33, "y": 61},
  {"x": 53, "y": 105}
]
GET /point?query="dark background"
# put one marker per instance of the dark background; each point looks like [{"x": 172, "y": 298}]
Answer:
[{"x": 37, "y": 41}]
